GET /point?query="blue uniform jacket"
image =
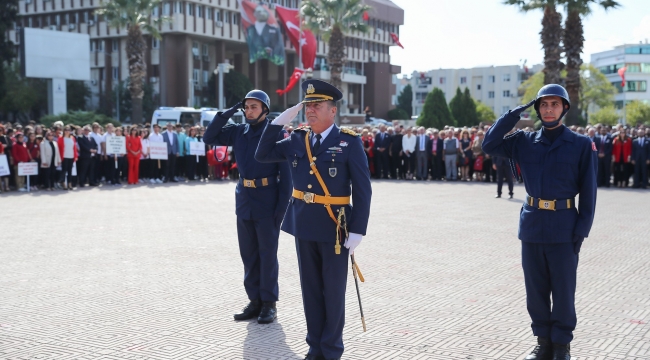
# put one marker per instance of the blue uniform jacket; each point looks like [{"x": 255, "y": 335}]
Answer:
[
  {"x": 252, "y": 203},
  {"x": 342, "y": 164},
  {"x": 561, "y": 170}
]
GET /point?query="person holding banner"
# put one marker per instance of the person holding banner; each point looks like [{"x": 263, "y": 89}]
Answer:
[
  {"x": 134, "y": 151},
  {"x": 68, "y": 151},
  {"x": 156, "y": 137},
  {"x": 262, "y": 195}
]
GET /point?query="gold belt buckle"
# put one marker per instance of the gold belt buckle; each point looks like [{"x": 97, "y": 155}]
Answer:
[
  {"x": 546, "y": 204},
  {"x": 308, "y": 198},
  {"x": 249, "y": 183}
]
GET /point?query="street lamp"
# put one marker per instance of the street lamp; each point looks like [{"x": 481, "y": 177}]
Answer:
[{"x": 221, "y": 69}]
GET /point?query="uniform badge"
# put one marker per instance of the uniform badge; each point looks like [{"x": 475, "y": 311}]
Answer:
[
  {"x": 343, "y": 143},
  {"x": 310, "y": 89},
  {"x": 295, "y": 163},
  {"x": 333, "y": 172}
]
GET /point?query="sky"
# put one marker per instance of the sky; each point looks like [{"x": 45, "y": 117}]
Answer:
[{"x": 470, "y": 33}]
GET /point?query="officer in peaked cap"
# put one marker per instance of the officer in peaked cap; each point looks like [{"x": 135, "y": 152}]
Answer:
[
  {"x": 262, "y": 195},
  {"x": 556, "y": 165},
  {"x": 329, "y": 169}
]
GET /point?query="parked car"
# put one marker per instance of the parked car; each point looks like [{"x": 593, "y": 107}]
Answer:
[{"x": 377, "y": 121}]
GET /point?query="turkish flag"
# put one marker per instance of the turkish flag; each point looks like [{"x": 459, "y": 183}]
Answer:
[
  {"x": 290, "y": 20},
  {"x": 621, "y": 73},
  {"x": 396, "y": 40},
  {"x": 293, "y": 80},
  {"x": 366, "y": 17}
]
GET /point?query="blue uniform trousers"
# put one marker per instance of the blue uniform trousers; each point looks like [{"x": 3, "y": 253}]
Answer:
[
  {"x": 550, "y": 272},
  {"x": 258, "y": 247},
  {"x": 323, "y": 279},
  {"x": 504, "y": 172}
]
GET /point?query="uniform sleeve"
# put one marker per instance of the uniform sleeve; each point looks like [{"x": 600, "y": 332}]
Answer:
[
  {"x": 218, "y": 133},
  {"x": 286, "y": 184},
  {"x": 361, "y": 188},
  {"x": 494, "y": 142},
  {"x": 587, "y": 184},
  {"x": 269, "y": 150}
]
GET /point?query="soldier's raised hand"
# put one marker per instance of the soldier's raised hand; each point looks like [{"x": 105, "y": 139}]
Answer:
[
  {"x": 287, "y": 115},
  {"x": 519, "y": 109},
  {"x": 230, "y": 112}
]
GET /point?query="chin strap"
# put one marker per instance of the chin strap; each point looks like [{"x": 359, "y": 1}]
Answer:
[{"x": 253, "y": 122}]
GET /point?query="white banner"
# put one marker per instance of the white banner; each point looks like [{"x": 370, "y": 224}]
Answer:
[
  {"x": 115, "y": 145},
  {"x": 197, "y": 148},
  {"x": 28, "y": 168},
  {"x": 158, "y": 150},
  {"x": 4, "y": 165}
]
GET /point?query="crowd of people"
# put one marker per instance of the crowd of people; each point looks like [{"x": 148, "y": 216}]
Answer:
[{"x": 70, "y": 156}]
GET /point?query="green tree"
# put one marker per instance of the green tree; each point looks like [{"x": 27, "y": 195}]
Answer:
[
  {"x": 25, "y": 98},
  {"x": 398, "y": 114},
  {"x": 150, "y": 101},
  {"x": 8, "y": 17},
  {"x": 77, "y": 93},
  {"x": 405, "y": 100},
  {"x": 79, "y": 118},
  {"x": 573, "y": 40},
  {"x": 637, "y": 113},
  {"x": 595, "y": 90},
  {"x": 551, "y": 35},
  {"x": 457, "y": 108},
  {"x": 235, "y": 87},
  {"x": 470, "y": 106},
  {"x": 484, "y": 113},
  {"x": 332, "y": 20},
  {"x": 136, "y": 16},
  {"x": 531, "y": 86},
  {"x": 435, "y": 113},
  {"x": 606, "y": 116}
]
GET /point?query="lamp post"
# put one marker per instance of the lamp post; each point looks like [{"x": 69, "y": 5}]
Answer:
[{"x": 221, "y": 69}]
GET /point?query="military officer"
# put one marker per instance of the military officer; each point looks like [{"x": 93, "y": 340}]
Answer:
[
  {"x": 262, "y": 195},
  {"x": 556, "y": 165},
  {"x": 328, "y": 167}
]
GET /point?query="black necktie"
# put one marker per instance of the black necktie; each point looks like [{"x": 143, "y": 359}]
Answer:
[{"x": 317, "y": 144}]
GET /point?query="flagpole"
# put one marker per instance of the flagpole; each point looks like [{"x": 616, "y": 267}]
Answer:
[{"x": 300, "y": 57}]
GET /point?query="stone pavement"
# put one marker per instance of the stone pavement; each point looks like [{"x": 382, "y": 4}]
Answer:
[{"x": 153, "y": 272}]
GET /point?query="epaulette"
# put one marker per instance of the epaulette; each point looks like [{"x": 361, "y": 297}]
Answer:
[
  {"x": 303, "y": 128},
  {"x": 349, "y": 132},
  {"x": 514, "y": 134}
]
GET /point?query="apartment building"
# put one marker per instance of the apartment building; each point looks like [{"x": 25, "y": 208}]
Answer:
[{"x": 203, "y": 33}]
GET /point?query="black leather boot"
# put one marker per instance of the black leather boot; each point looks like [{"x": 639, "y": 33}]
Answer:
[
  {"x": 268, "y": 314},
  {"x": 561, "y": 352},
  {"x": 251, "y": 311},
  {"x": 543, "y": 350}
]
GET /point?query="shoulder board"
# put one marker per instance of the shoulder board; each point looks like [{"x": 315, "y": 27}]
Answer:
[
  {"x": 514, "y": 134},
  {"x": 302, "y": 128},
  {"x": 349, "y": 132}
]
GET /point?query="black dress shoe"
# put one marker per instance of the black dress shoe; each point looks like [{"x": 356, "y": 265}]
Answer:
[
  {"x": 543, "y": 350},
  {"x": 252, "y": 310},
  {"x": 561, "y": 352},
  {"x": 497, "y": 196},
  {"x": 268, "y": 314},
  {"x": 510, "y": 197},
  {"x": 314, "y": 357}
]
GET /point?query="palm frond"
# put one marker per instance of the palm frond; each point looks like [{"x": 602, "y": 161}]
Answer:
[{"x": 125, "y": 13}]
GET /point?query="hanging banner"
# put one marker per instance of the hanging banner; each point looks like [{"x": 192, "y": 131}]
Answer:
[
  {"x": 263, "y": 34},
  {"x": 290, "y": 20}
]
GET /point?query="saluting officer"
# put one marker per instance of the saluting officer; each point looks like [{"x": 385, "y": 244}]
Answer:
[
  {"x": 261, "y": 195},
  {"x": 556, "y": 165},
  {"x": 328, "y": 166}
]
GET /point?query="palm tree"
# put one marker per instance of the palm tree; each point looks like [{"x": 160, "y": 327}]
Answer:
[
  {"x": 332, "y": 20},
  {"x": 136, "y": 16},
  {"x": 551, "y": 35},
  {"x": 573, "y": 44}
]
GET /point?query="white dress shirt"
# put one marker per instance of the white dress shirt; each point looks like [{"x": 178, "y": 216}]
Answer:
[
  {"x": 153, "y": 137},
  {"x": 408, "y": 143},
  {"x": 170, "y": 135},
  {"x": 99, "y": 139},
  {"x": 323, "y": 135}
]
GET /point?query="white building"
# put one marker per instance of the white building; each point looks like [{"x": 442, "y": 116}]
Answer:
[
  {"x": 495, "y": 86},
  {"x": 636, "y": 57}
]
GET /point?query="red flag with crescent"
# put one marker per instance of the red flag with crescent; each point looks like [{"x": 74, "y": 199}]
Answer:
[
  {"x": 621, "y": 73},
  {"x": 293, "y": 80},
  {"x": 290, "y": 20},
  {"x": 396, "y": 40},
  {"x": 366, "y": 17}
]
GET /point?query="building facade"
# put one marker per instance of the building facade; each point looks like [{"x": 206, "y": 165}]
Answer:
[
  {"x": 495, "y": 86},
  {"x": 204, "y": 33},
  {"x": 634, "y": 57}
]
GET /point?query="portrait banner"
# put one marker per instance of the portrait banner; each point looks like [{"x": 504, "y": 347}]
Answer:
[{"x": 262, "y": 31}]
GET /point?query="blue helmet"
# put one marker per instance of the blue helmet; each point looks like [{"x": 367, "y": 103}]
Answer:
[
  {"x": 552, "y": 90},
  {"x": 259, "y": 95}
]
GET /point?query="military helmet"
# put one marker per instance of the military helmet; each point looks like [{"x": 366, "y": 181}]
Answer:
[
  {"x": 259, "y": 95},
  {"x": 552, "y": 90}
]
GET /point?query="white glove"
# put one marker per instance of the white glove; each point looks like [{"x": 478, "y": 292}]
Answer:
[
  {"x": 287, "y": 115},
  {"x": 353, "y": 241}
]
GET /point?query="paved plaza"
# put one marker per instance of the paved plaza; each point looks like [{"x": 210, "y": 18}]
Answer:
[{"x": 153, "y": 272}]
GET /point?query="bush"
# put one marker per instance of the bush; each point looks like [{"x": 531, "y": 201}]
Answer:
[
  {"x": 398, "y": 114},
  {"x": 78, "y": 118}
]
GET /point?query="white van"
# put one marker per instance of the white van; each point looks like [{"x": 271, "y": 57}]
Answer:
[{"x": 186, "y": 115}]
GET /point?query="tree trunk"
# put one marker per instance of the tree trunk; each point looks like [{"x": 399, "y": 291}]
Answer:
[
  {"x": 336, "y": 56},
  {"x": 551, "y": 36},
  {"x": 135, "y": 52},
  {"x": 573, "y": 43}
]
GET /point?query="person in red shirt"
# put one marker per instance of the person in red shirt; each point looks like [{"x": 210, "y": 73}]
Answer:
[
  {"x": 69, "y": 155},
  {"x": 20, "y": 155},
  {"x": 34, "y": 148},
  {"x": 621, "y": 156},
  {"x": 133, "y": 152}
]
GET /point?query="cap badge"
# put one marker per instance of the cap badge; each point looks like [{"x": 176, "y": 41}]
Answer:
[{"x": 310, "y": 89}]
